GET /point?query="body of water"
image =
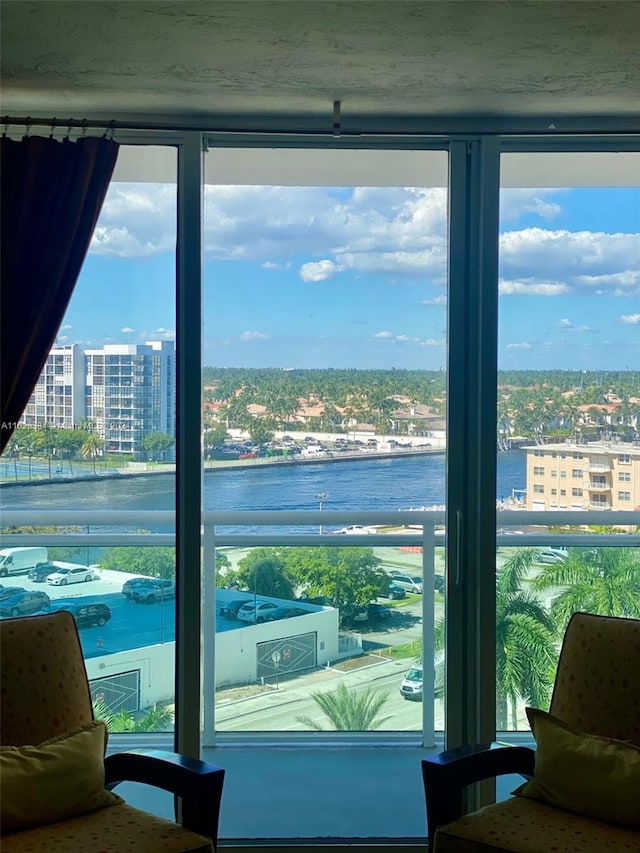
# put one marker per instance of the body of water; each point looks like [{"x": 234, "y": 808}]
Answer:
[{"x": 358, "y": 485}]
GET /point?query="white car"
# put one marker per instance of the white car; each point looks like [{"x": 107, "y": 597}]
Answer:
[
  {"x": 410, "y": 583},
  {"x": 552, "y": 556},
  {"x": 256, "y": 611},
  {"x": 77, "y": 574}
]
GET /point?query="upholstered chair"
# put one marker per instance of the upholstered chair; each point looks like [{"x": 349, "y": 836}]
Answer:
[
  {"x": 578, "y": 807},
  {"x": 53, "y": 766}
]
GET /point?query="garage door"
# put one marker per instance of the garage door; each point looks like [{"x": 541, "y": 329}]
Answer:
[{"x": 287, "y": 654}]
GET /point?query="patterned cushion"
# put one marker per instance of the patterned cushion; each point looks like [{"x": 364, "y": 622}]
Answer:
[
  {"x": 115, "y": 830},
  {"x": 44, "y": 683},
  {"x": 527, "y": 826},
  {"x": 597, "y": 686}
]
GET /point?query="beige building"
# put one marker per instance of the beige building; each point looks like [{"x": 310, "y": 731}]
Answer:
[{"x": 603, "y": 475}]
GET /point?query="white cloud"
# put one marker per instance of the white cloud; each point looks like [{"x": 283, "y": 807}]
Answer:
[
  {"x": 581, "y": 261},
  {"x": 162, "y": 333},
  {"x": 253, "y": 336},
  {"x": 127, "y": 329},
  {"x": 522, "y": 345},
  {"x": 393, "y": 231},
  {"x": 516, "y": 202},
  {"x": 437, "y": 300},
  {"x": 568, "y": 326},
  {"x": 530, "y": 287},
  {"x": 66, "y": 327},
  {"x": 434, "y": 342},
  {"x": 137, "y": 220},
  {"x": 385, "y": 334},
  {"x": 319, "y": 270},
  {"x": 630, "y": 319}
]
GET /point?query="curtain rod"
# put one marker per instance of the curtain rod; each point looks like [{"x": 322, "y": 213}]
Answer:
[{"x": 443, "y": 127}]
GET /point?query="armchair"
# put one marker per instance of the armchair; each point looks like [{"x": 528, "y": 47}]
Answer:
[
  {"x": 596, "y": 692},
  {"x": 45, "y": 696}
]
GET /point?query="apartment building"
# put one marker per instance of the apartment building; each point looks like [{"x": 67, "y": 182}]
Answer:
[
  {"x": 127, "y": 391},
  {"x": 59, "y": 396},
  {"x": 569, "y": 476}
]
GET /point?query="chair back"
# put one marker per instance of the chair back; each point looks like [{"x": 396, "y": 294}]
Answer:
[
  {"x": 44, "y": 687},
  {"x": 597, "y": 686}
]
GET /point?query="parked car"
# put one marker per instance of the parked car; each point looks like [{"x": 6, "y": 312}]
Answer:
[
  {"x": 552, "y": 556},
  {"x": 85, "y": 613},
  {"x": 230, "y": 609},
  {"x": 24, "y": 603},
  {"x": 392, "y": 591},
  {"x": 256, "y": 611},
  {"x": 77, "y": 574},
  {"x": 411, "y": 583},
  {"x": 439, "y": 583},
  {"x": 132, "y": 583},
  {"x": 378, "y": 612},
  {"x": 41, "y": 572},
  {"x": 284, "y": 613},
  {"x": 9, "y": 591},
  {"x": 154, "y": 589},
  {"x": 411, "y": 686}
]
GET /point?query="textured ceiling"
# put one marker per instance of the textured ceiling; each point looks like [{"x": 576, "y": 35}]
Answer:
[{"x": 393, "y": 59}]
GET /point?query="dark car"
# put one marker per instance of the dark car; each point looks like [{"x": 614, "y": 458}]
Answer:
[
  {"x": 392, "y": 591},
  {"x": 41, "y": 572},
  {"x": 24, "y": 603},
  {"x": 378, "y": 613},
  {"x": 86, "y": 614},
  {"x": 285, "y": 613},
  {"x": 230, "y": 609},
  {"x": 9, "y": 591}
]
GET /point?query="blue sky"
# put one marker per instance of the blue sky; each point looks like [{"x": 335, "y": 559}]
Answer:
[{"x": 321, "y": 277}]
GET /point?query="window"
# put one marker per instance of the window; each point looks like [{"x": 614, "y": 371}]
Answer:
[
  {"x": 277, "y": 288},
  {"x": 554, "y": 472},
  {"x": 273, "y": 314},
  {"x": 624, "y": 476},
  {"x": 576, "y": 473},
  {"x": 624, "y": 496},
  {"x": 577, "y": 455},
  {"x": 538, "y": 471},
  {"x": 624, "y": 458}
]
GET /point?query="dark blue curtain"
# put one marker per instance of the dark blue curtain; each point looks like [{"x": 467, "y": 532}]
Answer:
[{"x": 51, "y": 196}]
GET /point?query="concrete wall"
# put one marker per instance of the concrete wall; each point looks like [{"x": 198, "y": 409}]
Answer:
[{"x": 235, "y": 654}]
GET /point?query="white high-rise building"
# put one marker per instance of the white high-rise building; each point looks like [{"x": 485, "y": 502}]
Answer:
[
  {"x": 125, "y": 391},
  {"x": 59, "y": 396},
  {"x": 131, "y": 393}
]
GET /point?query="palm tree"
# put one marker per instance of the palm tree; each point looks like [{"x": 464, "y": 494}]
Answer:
[
  {"x": 595, "y": 580},
  {"x": 349, "y": 711},
  {"x": 156, "y": 718},
  {"x": 526, "y": 641},
  {"x": 92, "y": 447}
]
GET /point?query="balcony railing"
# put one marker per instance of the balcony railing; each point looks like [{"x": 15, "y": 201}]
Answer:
[{"x": 417, "y": 530}]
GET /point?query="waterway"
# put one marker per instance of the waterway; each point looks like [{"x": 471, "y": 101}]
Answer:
[{"x": 358, "y": 485}]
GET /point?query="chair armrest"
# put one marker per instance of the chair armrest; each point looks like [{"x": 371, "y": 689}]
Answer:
[
  {"x": 446, "y": 774},
  {"x": 198, "y": 783}
]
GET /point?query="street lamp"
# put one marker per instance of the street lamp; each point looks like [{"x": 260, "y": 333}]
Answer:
[{"x": 322, "y": 497}]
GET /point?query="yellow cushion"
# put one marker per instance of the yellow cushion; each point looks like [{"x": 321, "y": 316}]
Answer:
[
  {"x": 57, "y": 779},
  {"x": 583, "y": 773}
]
